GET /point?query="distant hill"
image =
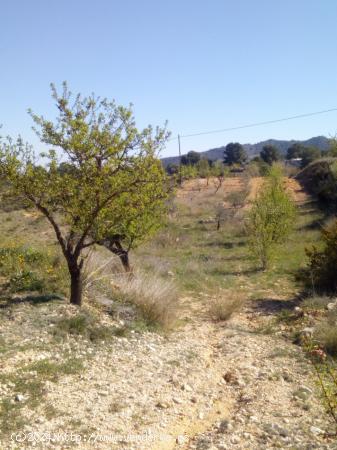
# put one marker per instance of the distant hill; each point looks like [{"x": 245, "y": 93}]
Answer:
[{"x": 214, "y": 154}]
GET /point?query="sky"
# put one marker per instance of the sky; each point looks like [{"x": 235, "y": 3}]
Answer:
[{"x": 199, "y": 65}]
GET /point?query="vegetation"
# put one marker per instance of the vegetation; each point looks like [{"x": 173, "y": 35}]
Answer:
[
  {"x": 191, "y": 159},
  {"x": 155, "y": 298},
  {"x": 271, "y": 218},
  {"x": 111, "y": 163},
  {"x": 306, "y": 154},
  {"x": 320, "y": 179},
  {"x": 222, "y": 307},
  {"x": 270, "y": 154},
  {"x": 320, "y": 275},
  {"x": 235, "y": 154}
]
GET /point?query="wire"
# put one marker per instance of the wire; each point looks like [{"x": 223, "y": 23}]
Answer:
[{"x": 256, "y": 124}]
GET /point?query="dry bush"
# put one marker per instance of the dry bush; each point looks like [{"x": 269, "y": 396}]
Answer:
[
  {"x": 222, "y": 307},
  {"x": 326, "y": 335},
  {"x": 155, "y": 297},
  {"x": 98, "y": 270}
]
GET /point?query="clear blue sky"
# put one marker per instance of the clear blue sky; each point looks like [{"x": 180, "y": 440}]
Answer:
[{"x": 200, "y": 65}]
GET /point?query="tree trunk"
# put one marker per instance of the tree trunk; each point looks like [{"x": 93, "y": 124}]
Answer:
[
  {"x": 124, "y": 257},
  {"x": 117, "y": 248},
  {"x": 76, "y": 287}
]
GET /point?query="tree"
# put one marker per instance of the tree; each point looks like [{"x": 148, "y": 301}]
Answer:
[
  {"x": 270, "y": 218},
  {"x": 172, "y": 169},
  {"x": 295, "y": 151},
  {"x": 309, "y": 154},
  {"x": 218, "y": 171},
  {"x": 191, "y": 159},
  {"x": 270, "y": 154},
  {"x": 111, "y": 160},
  {"x": 235, "y": 154},
  {"x": 204, "y": 169},
  {"x": 188, "y": 172},
  {"x": 332, "y": 150}
]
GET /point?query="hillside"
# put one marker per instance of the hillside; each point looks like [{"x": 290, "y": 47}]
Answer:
[{"x": 214, "y": 154}]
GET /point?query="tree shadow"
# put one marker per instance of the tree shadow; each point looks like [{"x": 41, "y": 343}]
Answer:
[
  {"x": 227, "y": 245},
  {"x": 234, "y": 258},
  {"x": 270, "y": 306},
  {"x": 314, "y": 225},
  {"x": 235, "y": 272},
  {"x": 30, "y": 299}
]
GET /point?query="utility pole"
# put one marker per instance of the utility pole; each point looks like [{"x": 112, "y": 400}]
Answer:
[{"x": 180, "y": 180}]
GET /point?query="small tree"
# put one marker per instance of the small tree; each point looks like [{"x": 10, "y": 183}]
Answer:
[
  {"x": 270, "y": 154},
  {"x": 204, "y": 169},
  {"x": 109, "y": 160},
  {"x": 188, "y": 172},
  {"x": 235, "y": 154},
  {"x": 270, "y": 218},
  {"x": 218, "y": 172},
  {"x": 321, "y": 271}
]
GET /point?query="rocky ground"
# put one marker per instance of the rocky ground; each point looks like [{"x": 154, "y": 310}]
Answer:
[{"x": 205, "y": 386}]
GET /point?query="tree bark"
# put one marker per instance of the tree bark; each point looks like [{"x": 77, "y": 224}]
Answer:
[
  {"x": 75, "y": 287},
  {"x": 124, "y": 257}
]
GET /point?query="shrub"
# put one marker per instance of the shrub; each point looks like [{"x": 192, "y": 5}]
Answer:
[
  {"x": 155, "y": 298},
  {"x": 316, "y": 302},
  {"x": 86, "y": 325},
  {"x": 326, "y": 335},
  {"x": 29, "y": 269},
  {"x": 320, "y": 179},
  {"x": 25, "y": 281},
  {"x": 222, "y": 308},
  {"x": 271, "y": 217},
  {"x": 321, "y": 271}
]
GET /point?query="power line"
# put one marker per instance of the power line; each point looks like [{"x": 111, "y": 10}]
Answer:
[{"x": 256, "y": 124}]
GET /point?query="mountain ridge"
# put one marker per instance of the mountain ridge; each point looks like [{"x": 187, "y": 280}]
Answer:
[{"x": 321, "y": 142}]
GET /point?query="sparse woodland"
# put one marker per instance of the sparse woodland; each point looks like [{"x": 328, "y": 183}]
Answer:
[{"x": 198, "y": 302}]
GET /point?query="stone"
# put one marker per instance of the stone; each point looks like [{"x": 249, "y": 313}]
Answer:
[
  {"x": 231, "y": 377},
  {"x": 316, "y": 430},
  {"x": 181, "y": 440},
  {"x": 19, "y": 398},
  {"x": 331, "y": 306},
  {"x": 162, "y": 404},
  {"x": 225, "y": 426},
  {"x": 235, "y": 440},
  {"x": 186, "y": 387},
  {"x": 306, "y": 334}
]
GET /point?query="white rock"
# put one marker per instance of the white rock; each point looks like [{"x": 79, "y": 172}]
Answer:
[
  {"x": 187, "y": 388},
  {"x": 181, "y": 440},
  {"x": 331, "y": 306},
  {"x": 316, "y": 430}
]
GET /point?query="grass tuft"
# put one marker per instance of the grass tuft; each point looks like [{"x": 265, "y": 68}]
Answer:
[{"x": 222, "y": 308}]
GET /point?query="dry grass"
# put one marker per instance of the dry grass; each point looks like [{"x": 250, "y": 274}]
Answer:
[
  {"x": 155, "y": 297},
  {"x": 222, "y": 307}
]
